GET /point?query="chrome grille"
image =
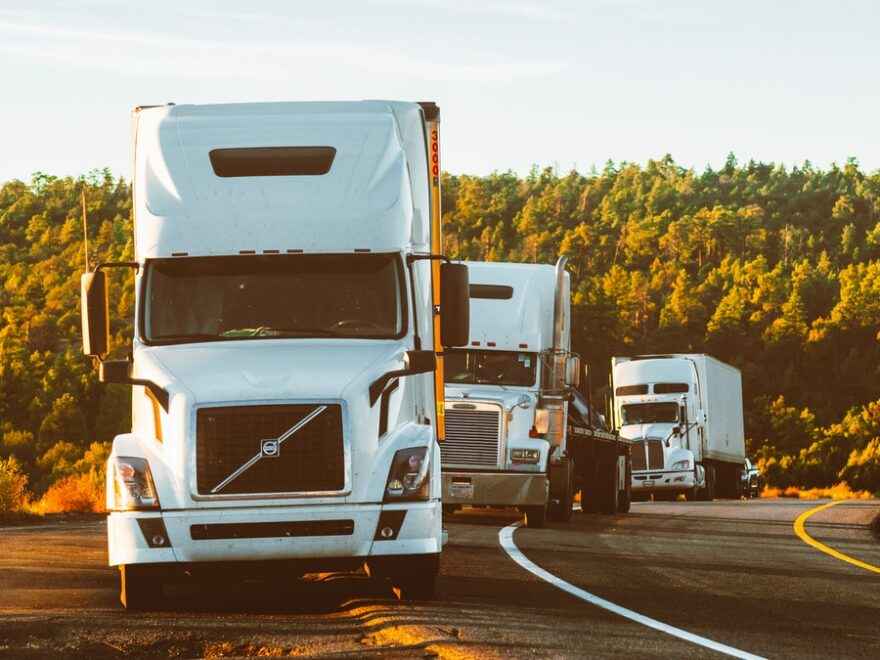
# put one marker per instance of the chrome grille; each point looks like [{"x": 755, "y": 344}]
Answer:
[
  {"x": 472, "y": 437},
  {"x": 655, "y": 454},
  {"x": 647, "y": 454},
  {"x": 638, "y": 456}
]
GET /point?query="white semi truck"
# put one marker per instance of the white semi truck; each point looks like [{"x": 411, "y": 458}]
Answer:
[
  {"x": 684, "y": 413},
  {"x": 517, "y": 434},
  {"x": 289, "y": 317}
]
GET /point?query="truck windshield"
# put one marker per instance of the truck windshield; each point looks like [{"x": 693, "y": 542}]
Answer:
[
  {"x": 490, "y": 367},
  {"x": 650, "y": 413},
  {"x": 267, "y": 296}
]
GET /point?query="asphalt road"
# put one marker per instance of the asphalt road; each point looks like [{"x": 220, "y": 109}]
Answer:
[{"x": 732, "y": 572}]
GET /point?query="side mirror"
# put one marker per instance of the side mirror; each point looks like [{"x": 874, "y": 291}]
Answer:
[
  {"x": 455, "y": 305},
  {"x": 115, "y": 371},
  {"x": 573, "y": 371},
  {"x": 419, "y": 362},
  {"x": 95, "y": 316}
]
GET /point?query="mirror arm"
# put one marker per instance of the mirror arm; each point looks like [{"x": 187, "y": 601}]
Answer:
[
  {"x": 378, "y": 385},
  {"x": 159, "y": 393},
  {"x": 134, "y": 265}
]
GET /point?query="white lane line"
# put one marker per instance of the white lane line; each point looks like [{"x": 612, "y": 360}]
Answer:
[{"x": 505, "y": 538}]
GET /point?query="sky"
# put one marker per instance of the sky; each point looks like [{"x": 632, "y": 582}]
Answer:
[{"x": 519, "y": 82}]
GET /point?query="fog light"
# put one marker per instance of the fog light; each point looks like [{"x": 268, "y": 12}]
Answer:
[
  {"x": 154, "y": 532},
  {"x": 386, "y": 532}
]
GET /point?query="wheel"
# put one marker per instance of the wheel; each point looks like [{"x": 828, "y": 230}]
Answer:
[
  {"x": 414, "y": 577},
  {"x": 417, "y": 587},
  {"x": 139, "y": 588},
  {"x": 608, "y": 501},
  {"x": 536, "y": 516},
  {"x": 708, "y": 493},
  {"x": 624, "y": 500},
  {"x": 625, "y": 497},
  {"x": 560, "y": 509},
  {"x": 450, "y": 509}
]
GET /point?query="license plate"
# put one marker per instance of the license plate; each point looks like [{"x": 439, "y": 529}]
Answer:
[
  {"x": 647, "y": 483},
  {"x": 462, "y": 490}
]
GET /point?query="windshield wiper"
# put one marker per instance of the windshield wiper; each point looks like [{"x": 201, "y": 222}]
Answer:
[
  {"x": 193, "y": 337},
  {"x": 271, "y": 331}
]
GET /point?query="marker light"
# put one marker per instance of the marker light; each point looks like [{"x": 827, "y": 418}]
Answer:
[{"x": 133, "y": 487}]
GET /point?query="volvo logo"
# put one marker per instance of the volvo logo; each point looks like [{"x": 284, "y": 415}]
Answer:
[{"x": 270, "y": 448}]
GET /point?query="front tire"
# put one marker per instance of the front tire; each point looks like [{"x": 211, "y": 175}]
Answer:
[
  {"x": 536, "y": 516},
  {"x": 415, "y": 577},
  {"x": 139, "y": 588}
]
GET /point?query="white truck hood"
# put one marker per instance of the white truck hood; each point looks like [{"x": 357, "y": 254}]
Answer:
[
  {"x": 506, "y": 397},
  {"x": 259, "y": 370}
]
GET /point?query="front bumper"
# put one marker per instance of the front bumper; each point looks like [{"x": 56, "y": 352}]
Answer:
[
  {"x": 495, "y": 488},
  {"x": 420, "y": 533},
  {"x": 653, "y": 481}
]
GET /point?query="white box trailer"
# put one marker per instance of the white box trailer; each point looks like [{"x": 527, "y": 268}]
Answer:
[
  {"x": 289, "y": 317},
  {"x": 684, "y": 413}
]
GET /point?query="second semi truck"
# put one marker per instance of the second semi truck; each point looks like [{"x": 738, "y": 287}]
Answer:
[{"x": 517, "y": 432}]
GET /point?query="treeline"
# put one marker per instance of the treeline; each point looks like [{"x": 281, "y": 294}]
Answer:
[{"x": 774, "y": 270}]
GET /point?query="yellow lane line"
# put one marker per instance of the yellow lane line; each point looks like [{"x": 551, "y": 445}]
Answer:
[{"x": 821, "y": 547}]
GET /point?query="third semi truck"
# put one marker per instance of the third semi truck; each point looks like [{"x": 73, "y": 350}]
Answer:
[{"x": 684, "y": 413}]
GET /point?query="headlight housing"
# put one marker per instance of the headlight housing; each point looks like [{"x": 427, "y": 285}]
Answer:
[
  {"x": 409, "y": 477},
  {"x": 531, "y": 456},
  {"x": 133, "y": 486},
  {"x": 682, "y": 465}
]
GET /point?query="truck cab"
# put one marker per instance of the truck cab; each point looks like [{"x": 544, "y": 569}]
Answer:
[
  {"x": 506, "y": 392},
  {"x": 284, "y": 403}
]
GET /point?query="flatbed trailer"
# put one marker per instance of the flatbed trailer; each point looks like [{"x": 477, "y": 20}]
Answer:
[{"x": 602, "y": 467}]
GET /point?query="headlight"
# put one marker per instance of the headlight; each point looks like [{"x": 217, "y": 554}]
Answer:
[
  {"x": 408, "y": 476},
  {"x": 682, "y": 465},
  {"x": 133, "y": 486},
  {"x": 525, "y": 455}
]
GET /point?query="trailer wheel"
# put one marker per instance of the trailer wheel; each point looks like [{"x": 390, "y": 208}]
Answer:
[
  {"x": 560, "y": 509},
  {"x": 139, "y": 588},
  {"x": 608, "y": 501},
  {"x": 624, "y": 499}
]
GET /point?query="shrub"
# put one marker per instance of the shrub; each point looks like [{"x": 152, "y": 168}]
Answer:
[
  {"x": 840, "y": 491},
  {"x": 13, "y": 486},
  {"x": 77, "y": 492},
  {"x": 862, "y": 470}
]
